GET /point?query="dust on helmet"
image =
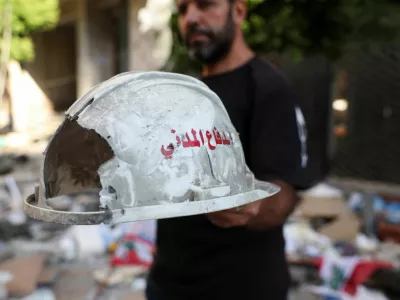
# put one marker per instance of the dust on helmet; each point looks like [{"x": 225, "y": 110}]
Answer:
[{"x": 155, "y": 145}]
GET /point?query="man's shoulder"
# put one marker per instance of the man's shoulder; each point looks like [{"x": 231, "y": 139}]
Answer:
[{"x": 268, "y": 78}]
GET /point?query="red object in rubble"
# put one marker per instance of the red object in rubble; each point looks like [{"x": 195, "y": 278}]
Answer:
[
  {"x": 388, "y": 231},
  {"x": 128, "y": 259},
  {"x": 126, "y": 255},
  {"x": 361, "y": 273}
]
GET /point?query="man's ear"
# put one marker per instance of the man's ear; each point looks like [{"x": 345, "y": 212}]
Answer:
[{"x": 239, "y": 11}]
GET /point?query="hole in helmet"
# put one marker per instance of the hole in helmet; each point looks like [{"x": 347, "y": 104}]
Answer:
[{"x": 73, "y": 159}]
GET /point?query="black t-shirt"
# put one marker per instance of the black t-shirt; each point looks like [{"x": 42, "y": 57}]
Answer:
[{"x": 198, "y": 260}]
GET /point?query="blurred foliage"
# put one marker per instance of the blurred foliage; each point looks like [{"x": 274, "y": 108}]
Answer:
[
  {"x": 29, "y": 16},
  {"x": 302, "y": 27}
]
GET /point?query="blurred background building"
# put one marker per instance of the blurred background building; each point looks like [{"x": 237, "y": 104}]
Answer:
[{"x": 93, "y": 41}]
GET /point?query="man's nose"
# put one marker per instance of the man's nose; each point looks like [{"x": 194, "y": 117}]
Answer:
[{"x": 192, "y": 15}]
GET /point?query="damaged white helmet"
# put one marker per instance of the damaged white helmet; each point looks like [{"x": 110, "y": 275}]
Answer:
[{"x": 155, "y": 144}]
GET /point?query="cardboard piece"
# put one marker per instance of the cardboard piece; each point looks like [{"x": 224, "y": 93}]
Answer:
[
  {"x": 344, "y": 225},
  {"x": 25, "y": 271},
  {"x": 314, "y": 207}
]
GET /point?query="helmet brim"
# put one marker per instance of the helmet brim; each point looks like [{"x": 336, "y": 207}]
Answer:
[{"x": 133, "y": 214}]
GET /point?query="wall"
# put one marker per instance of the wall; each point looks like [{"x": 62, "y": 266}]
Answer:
[
  {"x": 31, "y": 107},
  {"x": 54, "y": 66},
  {"x": 149, "y": 35},
  {"x": 96, "y": 45}
]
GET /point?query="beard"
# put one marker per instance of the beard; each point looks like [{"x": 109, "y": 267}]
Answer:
[{"x": 218, "y": 45}]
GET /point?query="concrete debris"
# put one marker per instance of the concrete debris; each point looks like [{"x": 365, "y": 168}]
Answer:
[
  {"x": 41, "y": 294},
  {"x": 6, "y": 165},
  {"x": 119, "y": 275},
  {"x": 5, "y": 278}
]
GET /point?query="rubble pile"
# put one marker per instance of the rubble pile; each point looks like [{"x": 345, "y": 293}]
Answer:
[
  {"x": 45, "y": 261},
  {"x": 329, "y": 253},
  {"x": 326, "y": 245}
]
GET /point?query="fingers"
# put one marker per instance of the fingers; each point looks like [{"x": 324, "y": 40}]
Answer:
[
  {"x": 228, "y": 220},
  {"x": 233, "y": 217},
  {"x": 250, "y": 210}
]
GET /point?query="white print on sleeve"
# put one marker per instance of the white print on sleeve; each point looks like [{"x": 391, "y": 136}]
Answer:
[{"x": 301, "y": 125}]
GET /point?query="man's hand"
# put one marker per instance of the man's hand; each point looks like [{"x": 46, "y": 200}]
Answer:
[
  {"x": 265, "y": 213},
  {"x": 241, "y": 216}
]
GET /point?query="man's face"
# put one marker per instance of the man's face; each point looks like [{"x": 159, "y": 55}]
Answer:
[{"x": 207, "y": 28}]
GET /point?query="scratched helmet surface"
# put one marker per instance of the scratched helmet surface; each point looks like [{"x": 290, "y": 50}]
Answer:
[{"x": 155, "y": 144}]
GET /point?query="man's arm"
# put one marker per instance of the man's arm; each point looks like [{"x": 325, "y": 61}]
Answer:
[
  {"x": 273, "y": 211},
  {"x": 276, "y": 153},
  {"x": 275, "y": 156}
]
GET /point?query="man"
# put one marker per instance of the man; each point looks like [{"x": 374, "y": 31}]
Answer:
[{"x": 234, "y": 254}]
